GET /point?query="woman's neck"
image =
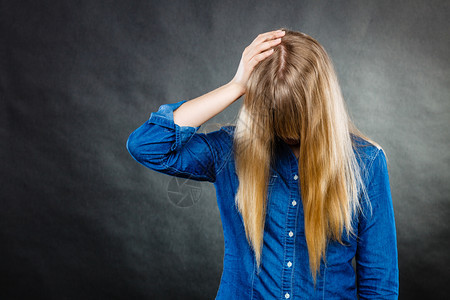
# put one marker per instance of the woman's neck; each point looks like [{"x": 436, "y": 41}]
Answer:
[{"x": 295, "y": 149}]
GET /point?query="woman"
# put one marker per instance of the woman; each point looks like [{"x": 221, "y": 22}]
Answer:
[{"x": 300, "y": 190}]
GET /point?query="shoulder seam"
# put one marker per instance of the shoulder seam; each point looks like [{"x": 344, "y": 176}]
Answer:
[
  {"x": 229, "y": 152},
  {"x": 224, "y": 162},
  {"x": 213, "y": 151},
  {"x": 371, "y": 163}
]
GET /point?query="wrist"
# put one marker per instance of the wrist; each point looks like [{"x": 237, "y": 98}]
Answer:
[{"x": 238, "y": 88}]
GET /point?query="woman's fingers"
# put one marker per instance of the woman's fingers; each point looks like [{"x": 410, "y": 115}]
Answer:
[
  {"x": 262, "y": 48},
  {"x": 266, "y": 45},
  {"x": 267, "y": 35},
  {"x": 258, "y": 50},
  {"x": 259, "y": 57},
  {"x": 263, "y": 42}
]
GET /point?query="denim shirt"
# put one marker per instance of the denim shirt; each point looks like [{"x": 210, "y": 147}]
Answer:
[{"x": 163, "y": 146}]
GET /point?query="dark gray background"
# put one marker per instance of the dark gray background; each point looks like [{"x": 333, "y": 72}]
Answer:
[{"x": 80, "y": 219}]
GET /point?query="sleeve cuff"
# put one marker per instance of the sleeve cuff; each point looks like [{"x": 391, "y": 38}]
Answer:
[{"x": 164, "y": 118}]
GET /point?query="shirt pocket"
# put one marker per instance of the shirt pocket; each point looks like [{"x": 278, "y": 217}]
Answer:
[
  {"x": 273, "y": 178},
  {"x": 272, "y": 181}
]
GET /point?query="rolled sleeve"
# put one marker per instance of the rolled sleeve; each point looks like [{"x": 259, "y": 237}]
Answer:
[
  {"x": 376, "y": 256},
  {"x": 164, "y": 117},
  {"x": 166, "y": 147}
]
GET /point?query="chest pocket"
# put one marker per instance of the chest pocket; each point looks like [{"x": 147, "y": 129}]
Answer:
[{"x": 272, "y": 180}]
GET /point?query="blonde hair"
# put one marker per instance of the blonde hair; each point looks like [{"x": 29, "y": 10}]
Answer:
[{"x": 295, "y": 94}]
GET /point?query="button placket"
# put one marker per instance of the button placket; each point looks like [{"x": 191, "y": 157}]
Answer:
[{"x": 292, "y": 212}]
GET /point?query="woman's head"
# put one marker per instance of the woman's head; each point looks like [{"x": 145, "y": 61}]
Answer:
[
  {"x": 294, "y": 95},
  {"x": 287, "y": 88}
]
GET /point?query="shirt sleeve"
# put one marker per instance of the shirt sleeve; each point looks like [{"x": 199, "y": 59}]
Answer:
[
  {"x": 376, "y": 255},
  {"x": 165, "y": 147}
]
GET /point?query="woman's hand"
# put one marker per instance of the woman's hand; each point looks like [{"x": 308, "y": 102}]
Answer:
[{"x": 259, "y": 49}]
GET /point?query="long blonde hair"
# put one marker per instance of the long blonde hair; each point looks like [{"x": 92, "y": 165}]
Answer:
[{"x": 295, "y": 94}]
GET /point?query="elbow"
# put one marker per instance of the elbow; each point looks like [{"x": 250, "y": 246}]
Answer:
[
  {"x": 132, "y": 146},
  {"x": 150, "y": 145},
  {"x": 147, "y": 151}
]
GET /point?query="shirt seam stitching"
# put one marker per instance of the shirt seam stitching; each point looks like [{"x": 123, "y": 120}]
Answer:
[{"x": 224, "y": 162}]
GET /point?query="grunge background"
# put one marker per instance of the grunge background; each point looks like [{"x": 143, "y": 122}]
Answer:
[{"x": 80, "y": 219}]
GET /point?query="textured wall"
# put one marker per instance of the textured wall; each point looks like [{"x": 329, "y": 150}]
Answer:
[{"x": 80, "y": 219}]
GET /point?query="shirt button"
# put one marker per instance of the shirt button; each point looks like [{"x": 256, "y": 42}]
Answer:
[
  {"x": 289, "y": 264},
  {"x": 294, "y": 203},
  {"x": 286, "y": 295},
  {"x": 295, "y": 177},
  {"x": 291, "y": 233}
]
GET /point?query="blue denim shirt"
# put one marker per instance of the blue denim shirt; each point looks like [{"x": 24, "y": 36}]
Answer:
[{"x": 181, "y": 151}]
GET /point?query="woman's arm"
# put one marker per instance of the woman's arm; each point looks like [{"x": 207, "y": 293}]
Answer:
[
  {"x": 199, "y": 110},
  {"x": 168, "y": 141},
  {"x": 376, "y": 256}
]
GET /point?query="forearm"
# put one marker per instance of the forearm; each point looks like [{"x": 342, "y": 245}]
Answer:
[{"x": 197, "y": 111}]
